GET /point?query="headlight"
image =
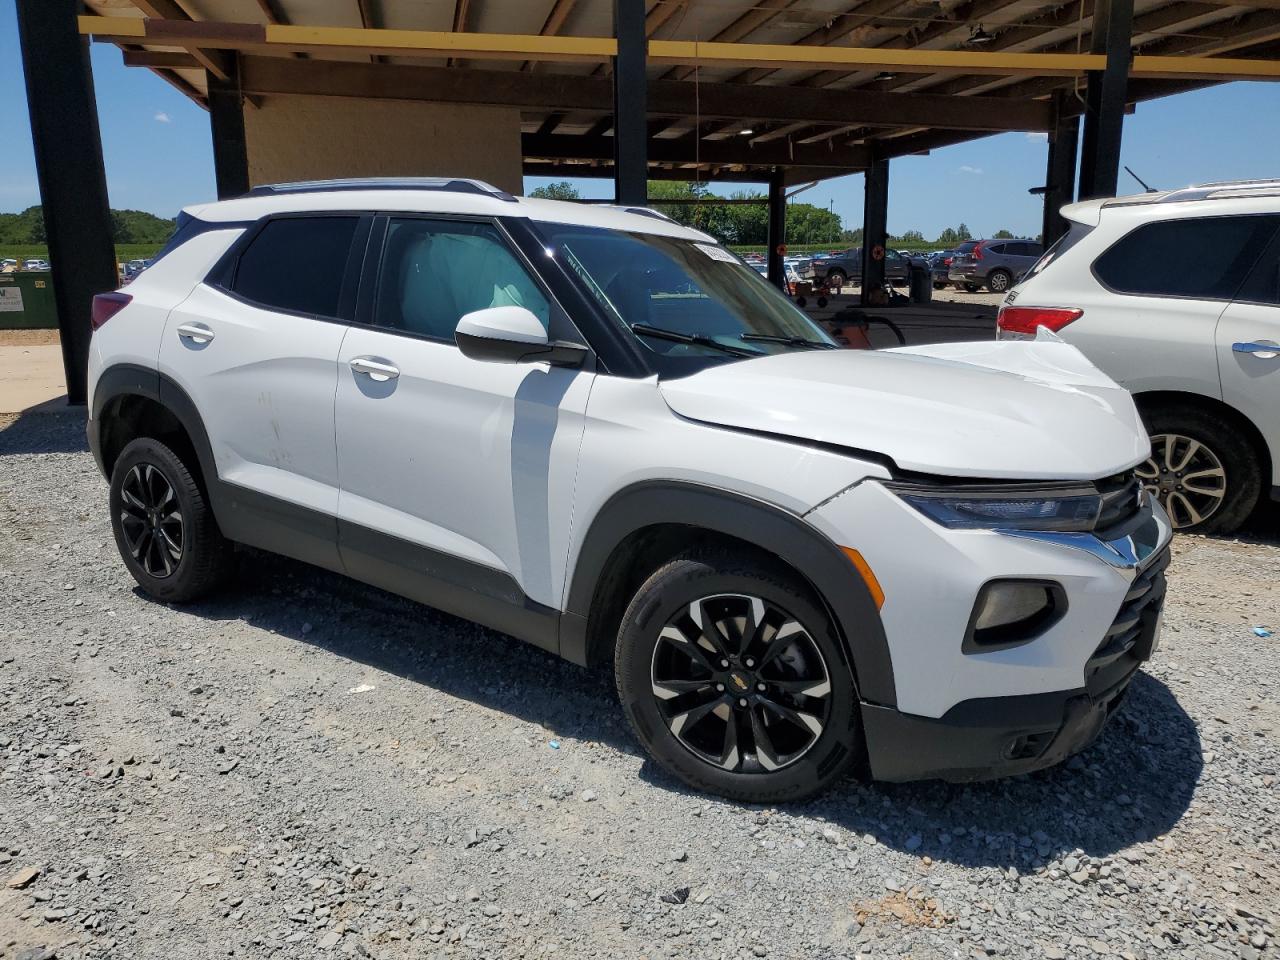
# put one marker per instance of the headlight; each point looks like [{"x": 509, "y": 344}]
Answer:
[{"x": 1054, "y": 506}]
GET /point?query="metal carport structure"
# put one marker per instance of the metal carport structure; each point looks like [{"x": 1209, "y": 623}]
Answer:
[{"x": 775, "y": 91}]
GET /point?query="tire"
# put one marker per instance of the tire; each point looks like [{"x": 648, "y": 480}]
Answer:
[
  {"x": 999, "y": 281},
  {"x": 147, "y": 478},
  {"x": 837, "y": 279},
  {"x": 658, "y": 649},
  {"x": 971, "y": 287},
  {"x": 1174, "y": 428},
  {"x": 939, "y": 286}
]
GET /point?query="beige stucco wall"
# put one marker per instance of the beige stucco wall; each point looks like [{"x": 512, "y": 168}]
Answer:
[{"x": 307, "y": 138}]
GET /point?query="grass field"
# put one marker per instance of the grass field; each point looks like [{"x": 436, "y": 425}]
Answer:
[{"x": 124, "y": 252}]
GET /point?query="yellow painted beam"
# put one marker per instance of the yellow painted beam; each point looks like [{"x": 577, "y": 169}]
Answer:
[
  {"x": 113, "y": 26},
  {"x": 432, "y": 43},
  {"x": 426, "y": 43},
  {"x": 1182, "y": 68},
  {"x": 807, "y": 57}
]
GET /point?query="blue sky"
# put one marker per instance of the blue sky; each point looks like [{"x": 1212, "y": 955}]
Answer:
[{"x": 159, "y": 158}]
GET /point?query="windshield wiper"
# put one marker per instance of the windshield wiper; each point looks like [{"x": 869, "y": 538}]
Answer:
[
  {"x": 789, "y": 341},
  {"x": 701, "y": 339}
]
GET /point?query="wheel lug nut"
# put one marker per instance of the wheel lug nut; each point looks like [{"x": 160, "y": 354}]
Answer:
[
  {"x": 725, "y": 664},
  {"x": 742, "y": 702},
  {"x": 749, "y": 662},
  {"x": 761, "y": 687},
  {"x": 719, "y": 688}
]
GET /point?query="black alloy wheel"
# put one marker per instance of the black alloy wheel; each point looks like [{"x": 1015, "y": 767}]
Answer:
[
  {"x": 734, "y": 678},
  {"x": 151, "y": 520},
  {"x": 740, "y": 683},
  {"x": 163, "y": 526}
]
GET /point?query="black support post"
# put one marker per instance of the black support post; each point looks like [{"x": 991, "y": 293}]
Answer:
[
  {"x": 226, "y": 123},
  {"x": 1060, "y": 171},
  {"x": 73, "y": 183},
  {"x": 630, "y": 130},
  {"x": 875, "y": 229},
  {"x": 1104, "y": 99},
  {"x": 777, "y": 236}
]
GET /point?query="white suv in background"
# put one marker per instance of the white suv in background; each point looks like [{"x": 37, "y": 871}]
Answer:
[
  {"x": 1177, "y": 297},
  {"x": 605, "y": 434}
]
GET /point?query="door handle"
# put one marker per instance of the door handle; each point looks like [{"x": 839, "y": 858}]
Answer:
[
  {"x": 1260, "y": 349},
  {"x": 375, "y": 369},
  {"x": 195, "y": 332}
]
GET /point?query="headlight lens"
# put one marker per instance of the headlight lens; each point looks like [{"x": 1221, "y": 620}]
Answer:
[{"x": 1062, "y": 507}]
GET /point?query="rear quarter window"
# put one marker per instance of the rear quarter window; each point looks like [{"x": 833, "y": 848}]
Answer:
[{"x": 1204, "y": 258}]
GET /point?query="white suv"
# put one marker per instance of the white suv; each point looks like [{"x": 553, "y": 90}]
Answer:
[
  {"x": 1177, "y": 297},
  {"x": 605, "y": 434}
]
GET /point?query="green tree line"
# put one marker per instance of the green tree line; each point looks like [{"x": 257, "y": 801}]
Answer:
[
  {"x": 127, "y": 226},
  {"x": 747, "y": 224}
]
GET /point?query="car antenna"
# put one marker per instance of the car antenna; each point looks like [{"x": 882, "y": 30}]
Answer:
[{"x": 1141, "y": 181}]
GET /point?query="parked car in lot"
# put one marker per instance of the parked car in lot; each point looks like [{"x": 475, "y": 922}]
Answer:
[
  {"x": 602, "y": 432},
  {"x": 1177, "y": 296},
  {"x": 994, "y": 264},
  {"x": 35, "y": 264},
  {"x": 844, "y": 268}
]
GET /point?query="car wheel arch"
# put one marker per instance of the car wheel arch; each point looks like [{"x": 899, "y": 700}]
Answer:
[
  {"x": 668, "y": 508},
  {"x": 128, "y": 395},
  {"x": 1153, "y": 399}
]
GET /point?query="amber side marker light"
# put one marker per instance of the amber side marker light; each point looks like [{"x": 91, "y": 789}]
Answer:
[{"x": 868, "y": 576}]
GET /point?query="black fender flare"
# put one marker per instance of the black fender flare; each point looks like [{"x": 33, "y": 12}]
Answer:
[
  {"x": 782, "y": 533},
  {"x": 127, "y": 379}
]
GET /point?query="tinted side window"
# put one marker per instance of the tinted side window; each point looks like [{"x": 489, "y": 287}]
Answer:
[
  {"x": 434, "y": 272},
  {"x": 1206, "y": 258},
  {"x": 996, "y": 248},
  {"x": 1263, "y": 283},
  {"x": 297, "y": 264}
]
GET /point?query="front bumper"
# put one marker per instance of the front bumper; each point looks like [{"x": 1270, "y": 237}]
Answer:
[
  {"x": 1003, "y": 736},
  {"x": 964, "y": 714}
]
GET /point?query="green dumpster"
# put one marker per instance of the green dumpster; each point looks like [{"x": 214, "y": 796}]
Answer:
[{"x": 26, "y": 301}]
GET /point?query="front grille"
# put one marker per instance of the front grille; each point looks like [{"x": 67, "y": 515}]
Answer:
[
  {"x": 1115, "y": 656},
  {"x": 1121, "y": 501}
]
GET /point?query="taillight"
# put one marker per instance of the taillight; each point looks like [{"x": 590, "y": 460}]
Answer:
[
  {"x": 1027, "y": 319},
  {"x": 946, "y": 261},
  {"x": 106, "y": 306},
  {"x": 977, "y": 252}
]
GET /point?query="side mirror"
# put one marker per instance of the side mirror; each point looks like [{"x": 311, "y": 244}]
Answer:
[{"x": 513, "y": 335}]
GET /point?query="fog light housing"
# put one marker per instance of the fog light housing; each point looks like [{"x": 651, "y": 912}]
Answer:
[{"x": 1009, "y": 613}]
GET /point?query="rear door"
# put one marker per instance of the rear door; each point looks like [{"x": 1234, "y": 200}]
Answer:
[
  {"x": 456, "y": 474},
  {"x": 1151, "y": 321},
  {"x": 1248, "y": 347},
  {"x": 256, "y": 348}
]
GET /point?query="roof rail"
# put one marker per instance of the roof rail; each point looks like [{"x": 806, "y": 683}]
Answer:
[
  {"x": 444, "y": 184},
  {"x": 646, "y": 212},
  {"x": 1221, "y": 189}
]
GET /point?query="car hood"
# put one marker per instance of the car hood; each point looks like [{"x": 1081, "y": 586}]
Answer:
[{"x": 992, "y": 409}]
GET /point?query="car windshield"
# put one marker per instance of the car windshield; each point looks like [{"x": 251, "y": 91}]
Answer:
[{"x": 685, "y": 301}]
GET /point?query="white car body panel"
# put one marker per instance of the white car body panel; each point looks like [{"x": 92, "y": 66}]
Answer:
[
  {"x": 1025, "y": 410},
  {"x": 136, "y": 336},
  {"x": 265, "y": 386},
  {"x": 471, "y": 458},
  {"x": 1251, "y": 381}
]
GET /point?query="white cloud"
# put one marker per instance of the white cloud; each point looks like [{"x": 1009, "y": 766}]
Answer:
[
  {"x": 968, "y": 169},
  {"x": 163, "y": 117},
  {"x": 1038, "y": 136}
]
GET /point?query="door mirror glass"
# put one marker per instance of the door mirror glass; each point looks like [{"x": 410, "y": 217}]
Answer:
[{"x": 512, "y": 335}]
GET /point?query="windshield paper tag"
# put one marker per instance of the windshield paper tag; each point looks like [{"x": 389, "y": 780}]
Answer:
[{"x": 716, "y": 253}]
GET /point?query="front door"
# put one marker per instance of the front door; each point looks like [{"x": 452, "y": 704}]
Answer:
[{"x": 456, "y": 474}]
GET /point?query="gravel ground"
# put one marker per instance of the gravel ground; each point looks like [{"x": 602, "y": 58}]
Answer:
[{"x": 307, "y": 767}]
